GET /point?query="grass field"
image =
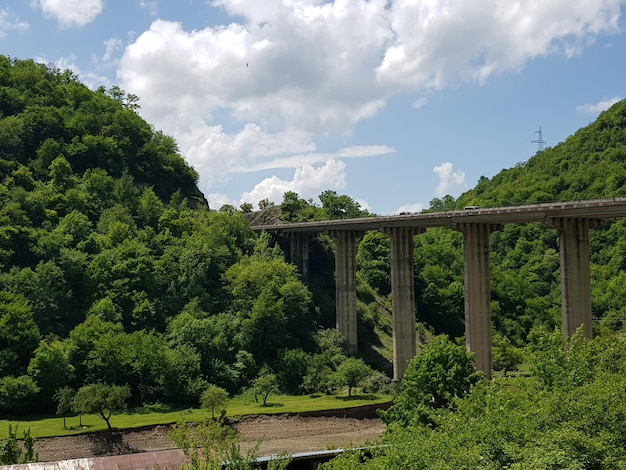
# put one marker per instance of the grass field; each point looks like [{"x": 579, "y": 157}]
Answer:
[{"x": 160, "y": 414}]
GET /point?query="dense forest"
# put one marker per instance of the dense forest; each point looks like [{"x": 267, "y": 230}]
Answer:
[{"x": 113, "y": 269}]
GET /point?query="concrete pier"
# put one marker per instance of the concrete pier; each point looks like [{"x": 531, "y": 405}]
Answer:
[
  {"x": 402, "y": 297},
  {"x": 299, "y": 253},
  {"x": 575, "y": 273},
  {"x": 478, "y": 292},
  {"x": 345, "y": 286}
]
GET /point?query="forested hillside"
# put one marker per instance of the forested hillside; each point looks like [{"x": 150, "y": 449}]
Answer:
[{"x": 113, "y": 269}]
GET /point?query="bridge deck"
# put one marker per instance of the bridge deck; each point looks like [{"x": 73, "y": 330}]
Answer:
[{"x": 591, "y": 209}]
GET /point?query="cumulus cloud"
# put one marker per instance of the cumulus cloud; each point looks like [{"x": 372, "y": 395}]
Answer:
[
  {"x": 307, "y": 182},
  {"x": 71, "y": 13},
  {"x": 595, "y": 108},
  {"x": 261, "y": 91},
  {"x": 8, "y": 22},
  {"x": 449, "y": 179}
]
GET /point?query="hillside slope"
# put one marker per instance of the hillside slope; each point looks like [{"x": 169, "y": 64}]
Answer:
[{"x": 589, "y": 164}]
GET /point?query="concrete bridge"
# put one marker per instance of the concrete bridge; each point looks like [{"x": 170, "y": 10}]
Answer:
[{"x": 572, "y": 219}]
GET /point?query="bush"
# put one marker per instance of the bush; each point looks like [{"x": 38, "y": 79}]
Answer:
[{"x": 11, "y": 452}]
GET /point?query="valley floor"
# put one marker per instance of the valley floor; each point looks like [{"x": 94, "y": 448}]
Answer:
[{"x": 279, "y": 434}]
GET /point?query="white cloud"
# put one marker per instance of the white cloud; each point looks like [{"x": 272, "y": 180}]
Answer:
[
  {"x": 151, "y": 6},
  {"x": 10, "y": 23},
  {"x": 448, "y": 179},
  {"x": 296, "y": 161},
  {"x": 441, "y": 42},
  {"x": 217, "y": 200},
  {"x": 307, "y": 181},
  {"x": 71, "y": 12},
  {"x": 410, "y": 208},
  {"x": 595, "y": 108},
  {"x": 112, "y": 47},
  {"x": 259, "y": 93}
]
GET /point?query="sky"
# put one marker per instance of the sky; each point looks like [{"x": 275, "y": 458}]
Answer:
[{"x": 392, "y": 102}]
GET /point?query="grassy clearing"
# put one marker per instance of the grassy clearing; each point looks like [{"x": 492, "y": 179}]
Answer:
[{"x": 161, "y": 414}]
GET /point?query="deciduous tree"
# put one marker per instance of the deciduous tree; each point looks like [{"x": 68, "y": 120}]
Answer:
[
  {"x": 352, "y": 372},
  {"x": 214, "y": 398},
  {"x": 102, "y": 400}
]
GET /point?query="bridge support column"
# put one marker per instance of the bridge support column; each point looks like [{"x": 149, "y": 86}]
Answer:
[
  {"x": 402, "y": 297},
  {"x": 478, "y": 292},
  {"x": 345, "y": 286},
  {"x": 299, "y": 253},
  {"x": 575, "y": 273}
]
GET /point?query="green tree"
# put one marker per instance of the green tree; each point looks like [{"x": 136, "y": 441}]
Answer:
[
  {"x": 440, "y": 372},
  {"x": 102, "y": 400},
  {"x": 292, "y": 368},
  {"x": 19, "y": 335},
  {"x": 214, "y": 398},
  {"x": 18, "y": 395},
  {"x": 322, "y": 365},
  {"x": 340, "y": 206},
  {"x": 505, "y": 356},
  {"x": 50, "y": 367},
  {"x": 65, "y": 402},
  {"x": 264, "y": 385},
  {"x": 352, "y": 372},
  {"x": 374, "y": 261},
  {"x": 271, "y": 302}
]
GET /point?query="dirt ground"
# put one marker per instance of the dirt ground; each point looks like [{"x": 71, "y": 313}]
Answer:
[{"x": 279, "y": 434}]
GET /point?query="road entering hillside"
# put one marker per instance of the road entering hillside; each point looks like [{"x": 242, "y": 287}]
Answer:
[{"x": 279, "y": 434}]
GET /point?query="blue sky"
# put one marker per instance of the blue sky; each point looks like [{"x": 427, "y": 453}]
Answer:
[{"x": 393, "y": 102}]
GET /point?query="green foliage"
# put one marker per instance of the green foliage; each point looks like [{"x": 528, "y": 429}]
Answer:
[
  {"x": 102, "y": 400},
  {"x": 518, "y": 423},
  {"x": 214, "y": 446},
  {"x": 264, "y": 385},
  {"x": 19, "y": 334},
  {"x": 340, "y": 206},
  {"x": 505, "y": 356},
  {"x": 373, "y": 260},
  {"x": 320, "y": 376},
  {"x": 440, "y": 372},
  {"x": 270, "y": 301},
  {"x": 65, "y": 402},
  {"x": 352, "y": 372},
  {"x": 438, "y": 260},
  {"x": 11, "y": 452},
  {"x": 214, "y": 398},
  {"x": 50, "y": 367},
  {"x": 18, "y": 395}
]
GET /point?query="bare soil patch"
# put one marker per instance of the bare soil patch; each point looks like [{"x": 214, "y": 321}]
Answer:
[{"x": 279, "y": 434}]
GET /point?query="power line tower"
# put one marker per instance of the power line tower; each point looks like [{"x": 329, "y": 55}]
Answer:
[{"x": 539, "y": 141}]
